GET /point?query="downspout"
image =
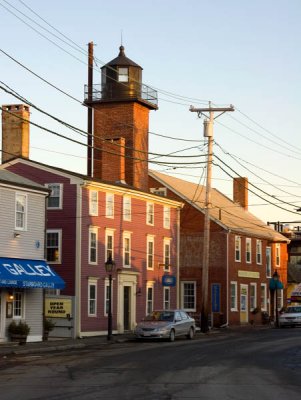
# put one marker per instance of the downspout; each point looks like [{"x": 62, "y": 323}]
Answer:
[
  {"x": 227, "y": 267},
  {"x": 227, "y": 283},
  {"x": 78, "y": 245},
  {"x": 178, "y": 257}
]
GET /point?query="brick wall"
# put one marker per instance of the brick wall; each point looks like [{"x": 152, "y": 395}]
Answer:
[{"x": 129, "y": 120}]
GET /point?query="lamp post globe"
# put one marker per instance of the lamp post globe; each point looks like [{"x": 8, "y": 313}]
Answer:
[{"x": 109, "y": 266}]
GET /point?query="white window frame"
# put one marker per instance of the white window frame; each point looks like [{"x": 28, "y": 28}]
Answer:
[
  {"x": 150, "y": 213},
  {"x": 59, "y": 232},
  {"x": 126, "y": 236},
  {"x": 166, "y": 257},
  {"x": 183, "y": 283},
  {"x": 149, "y": 306},
  {"x": 277, "y": 255},
  {"x": 18, "y": 304},
  {"x": 109, "y": 232},
  {"x": 93, "y": 230},
  {"x": 237, "y": 246},
  {"x": 150, "y": 239},
  {"x": 235, "y": 296},
  {"x": 106, "y": 296},
  {"x": 166, "y": 298},
  {"x": 92, "y": 283},
  {"x": 253, "y": 298},
  {"x": 263, "y": 300},
  {"x": 60, "y": 206},
  {"x": 127, "y": 208},
  {"x": 248, "y": 250},
  {"x": 123, "y": 74},
  {"x": 258, "y": 251},
  {"x": 93, "y": 202},
  {"x": 268, "y": 259},
  {"x": 166, "y": 217},
  {"x": 23, "y": 212},
  {"x": 109, "y": 205},
  {"x": 159, "y": 191}
]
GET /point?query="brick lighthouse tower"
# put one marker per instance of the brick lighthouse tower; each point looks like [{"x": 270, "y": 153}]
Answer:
[{"x": 121, "y": 106}]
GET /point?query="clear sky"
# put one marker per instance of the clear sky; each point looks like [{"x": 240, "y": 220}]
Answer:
[{"x": 245, "y": 53}]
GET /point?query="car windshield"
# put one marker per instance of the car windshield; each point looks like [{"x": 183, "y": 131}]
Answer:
[
  {"x": 293, "y": 309},
  {"x": 160, "y": 316}
]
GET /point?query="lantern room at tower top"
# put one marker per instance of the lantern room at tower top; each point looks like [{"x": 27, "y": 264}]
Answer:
[{"x": 121, "y": 80}]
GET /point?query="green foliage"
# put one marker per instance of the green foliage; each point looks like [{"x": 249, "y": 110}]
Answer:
[
  {"x": 18, "y": 328},
  {"x": 48, "y": 325}
]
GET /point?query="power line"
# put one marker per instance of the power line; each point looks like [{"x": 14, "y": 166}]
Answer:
[{"x": 256, "y": 194}]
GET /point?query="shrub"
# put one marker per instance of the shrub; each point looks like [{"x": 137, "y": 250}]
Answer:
[
  {"x": 48, "y": 325},
  {"x": 20, "y": 328}
]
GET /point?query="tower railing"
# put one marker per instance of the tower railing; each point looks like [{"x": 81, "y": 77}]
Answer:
[{"x": 118, "y": 91}]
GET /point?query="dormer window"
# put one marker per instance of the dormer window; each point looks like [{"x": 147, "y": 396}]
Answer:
[{"x": 123, "y": 74}]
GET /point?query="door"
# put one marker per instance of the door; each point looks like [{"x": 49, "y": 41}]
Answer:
[
  {"x": 126, "y": 307},
  {"x": 243, "y": 303}
]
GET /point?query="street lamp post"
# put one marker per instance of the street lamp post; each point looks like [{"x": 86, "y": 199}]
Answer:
[
  {"x": 276, "y": 280},
  {"x": 109, "y": 266}
]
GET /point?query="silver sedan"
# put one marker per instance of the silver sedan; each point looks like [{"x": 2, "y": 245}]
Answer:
[
  {"x": 290, "y": 317},
  {"x": 166, "y": 324}
]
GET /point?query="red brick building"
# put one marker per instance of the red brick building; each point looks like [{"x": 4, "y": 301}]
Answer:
[{"x": 244, "y": 252}]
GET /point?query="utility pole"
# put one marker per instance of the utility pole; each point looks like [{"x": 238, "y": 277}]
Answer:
[
  {"x": 208, "y": 132},
  {"x": 90, "y": 110}
]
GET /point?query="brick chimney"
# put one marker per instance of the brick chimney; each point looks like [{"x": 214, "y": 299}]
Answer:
[
  {"x": 240, "y": 192},
  {"x": 15, "y": 131},
  {"x": 111, "y": 164}
]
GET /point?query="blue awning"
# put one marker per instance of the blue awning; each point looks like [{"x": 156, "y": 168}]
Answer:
[{"x": 21, "y": 273}]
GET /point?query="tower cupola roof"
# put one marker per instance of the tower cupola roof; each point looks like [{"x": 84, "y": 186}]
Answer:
[{"x": 122, "y": 60}]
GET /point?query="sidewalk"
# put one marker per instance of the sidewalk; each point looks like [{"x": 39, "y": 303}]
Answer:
[{"x": 59, "y": 344}]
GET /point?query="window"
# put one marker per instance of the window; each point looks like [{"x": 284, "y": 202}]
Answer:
[
  {"x": 248, "y": 250},
  {"x": 93, "y": 245},
  {"x": 92, "y": 293},
  {"x": 150, "y": 252},
  {"x": 237, "y": 248},
  {"x": 263, "y": 297},
  {"x": 166, "y": 298},
  {"x": 258, "y": 251},
  {"x": 55, "y": 198},
  {"x": 277, "y": 261},
  {"x": 18, "y": 304},
  {"x": 20, "y": 211},
  {"x": 107, "y": 297},
  {"x": 53, "y": 246},
  {"x": 149, "y": 298},
  {"x": 268, "y": 262},
  {"x": 233, "y": 295},
  {"x": 166, "y": 249},
  {"x": 109, "y": 205},
  {"x": 126, "y": 250},
  {"x": 188, "y": 296},
  {"x": 127, "y": 212},
  {"x": 253, "y": 296},
  {"x": 109, "y": 244},
  {"x": 123, "y": 74},
  {"x": 166, "y": 216},
  {"x": 159, "y": 191},
  {"x": 93, "y": 202},
  {"x": 150, "y": 213},
  {"x": 279, "y": 294}
]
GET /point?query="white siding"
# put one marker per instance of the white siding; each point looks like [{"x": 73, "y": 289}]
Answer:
[{"x": 30, "y": 244}]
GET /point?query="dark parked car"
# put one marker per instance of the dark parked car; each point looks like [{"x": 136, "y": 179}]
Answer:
[
  {"x": 290, "y": 317},
  {"x": 166, "y": 324}
]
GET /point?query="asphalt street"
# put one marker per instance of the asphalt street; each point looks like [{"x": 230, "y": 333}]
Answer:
[{"x": 254, "y": 364}]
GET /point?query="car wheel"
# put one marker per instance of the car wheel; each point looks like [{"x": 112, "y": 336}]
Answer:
[
  {"x": 190, "y": 334},
  {"x": 172, "y": 335}
]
